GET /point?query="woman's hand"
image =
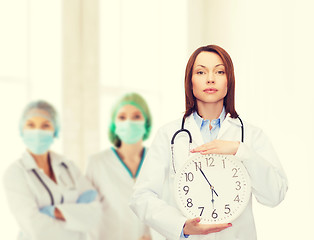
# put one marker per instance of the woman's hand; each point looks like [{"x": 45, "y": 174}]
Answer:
[
  {"x": 59, "y": 215},
  {"x": 193, "y": 227},
  {"x": 218, "y": 147},
  {"x": 53, "y": 212}
]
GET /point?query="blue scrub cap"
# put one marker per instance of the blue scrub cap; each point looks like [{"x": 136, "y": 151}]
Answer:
[{"x": 43, "y": 109}]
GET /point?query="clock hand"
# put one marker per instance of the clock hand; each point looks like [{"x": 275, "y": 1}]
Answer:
[
  {"x": 213, "y": 198},
  {"x": 211, "y": 187}
]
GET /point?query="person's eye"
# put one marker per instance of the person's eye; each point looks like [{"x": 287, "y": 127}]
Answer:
[
  {"x": 121, "y": 117},
  {"x": 221, "y": 72},
  {"x": 200, "y": 72},
  {"x": 137, "y": 116},
  {"x": 30, "y": 125},
  {"x": 46, "y": 126}
]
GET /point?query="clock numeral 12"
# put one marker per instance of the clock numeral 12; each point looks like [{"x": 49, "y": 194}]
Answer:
[{"x": 211, "y": 160}]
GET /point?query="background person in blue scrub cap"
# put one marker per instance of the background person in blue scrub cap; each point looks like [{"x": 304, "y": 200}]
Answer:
[
  {"x": 114, "y": 171},
  {"x": 47, "y": 194}
]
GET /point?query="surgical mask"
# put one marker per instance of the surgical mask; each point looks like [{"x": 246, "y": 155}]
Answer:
[
  {"x": 130, "y": 132},
  {"x": 37, "y": 141}
]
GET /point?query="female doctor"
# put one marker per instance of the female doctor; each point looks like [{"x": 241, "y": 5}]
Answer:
[
  {"x": 214, "y": 125},
  {"x": 114, "y": 171},
  {"x": 47, "y": 194}
]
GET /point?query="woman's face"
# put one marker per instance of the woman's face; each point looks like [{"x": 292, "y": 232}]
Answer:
[
  {"x": 209, "y": 79},
  {"x": 39, "y": 123},
  {"x": 129, "y": 112},
  {"x": 130, "y": 125}
]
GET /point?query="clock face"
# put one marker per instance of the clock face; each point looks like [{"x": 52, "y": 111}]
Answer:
[{"x": 214, "y": 187}]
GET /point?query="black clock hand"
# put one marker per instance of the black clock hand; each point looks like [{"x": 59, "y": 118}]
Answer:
[
  {"x": 213, "y": 198},
  {"x": 211, "y": 187}
]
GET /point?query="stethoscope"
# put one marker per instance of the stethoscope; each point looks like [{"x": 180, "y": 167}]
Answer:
[
  {"x": 47, "y": 188},
  {"x": 190, "y": 139}
]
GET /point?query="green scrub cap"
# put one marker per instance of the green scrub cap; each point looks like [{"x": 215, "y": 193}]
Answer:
[{"x": 137, "y": 101}]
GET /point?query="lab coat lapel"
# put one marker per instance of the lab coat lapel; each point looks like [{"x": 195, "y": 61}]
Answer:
[
  {"x": 61, "y": 171},
  {"x": 28, "y": 161},
  {"x": 56, "y": 162},
  {"x": 226, "y": 124},
  {"x": 224, "y": 127},
  {"x": 190, "y": 124}
]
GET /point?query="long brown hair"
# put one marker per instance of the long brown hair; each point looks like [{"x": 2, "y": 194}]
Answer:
[{"x": 190, "y": 100}]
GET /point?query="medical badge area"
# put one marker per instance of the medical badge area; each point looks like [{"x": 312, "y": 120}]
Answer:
[{"x": 215, "y": 188}]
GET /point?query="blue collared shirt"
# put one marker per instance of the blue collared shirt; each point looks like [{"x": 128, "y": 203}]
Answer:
[{"x": 207, "y": 133}]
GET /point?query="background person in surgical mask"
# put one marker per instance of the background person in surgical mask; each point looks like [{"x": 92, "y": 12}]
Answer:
[
  {"x": 114, "y": 171},
  {"x": 47, "y": 194}
]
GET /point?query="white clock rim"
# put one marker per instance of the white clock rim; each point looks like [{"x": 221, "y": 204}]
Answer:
[{"x": 245, "y": 202}]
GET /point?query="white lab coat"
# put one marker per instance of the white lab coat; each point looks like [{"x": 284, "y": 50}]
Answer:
[
  {"x": 115, "y": 186},
  {"x": 26, "y": 195},
  {"x": 153, "y": 199}
]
